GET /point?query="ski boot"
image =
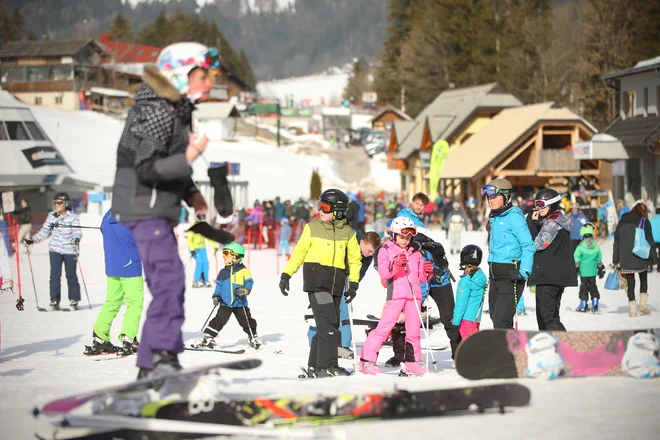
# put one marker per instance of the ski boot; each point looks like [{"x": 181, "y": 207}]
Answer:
[
  {"x": 164, "y": 363},
  {"x": 309, "y": 373},
  {"x": 394, "y": 361},
  {"x": 255, "y": 342},
  {"x": 366, "y": 367},
  {"x": 415, "y": 369},
  {"x": 73, "y": 304},
  {"x": 345, "y": 353},
  {"x": 333, "y": 371},
  {"x": 99, "y": 346},
  {"x": 594, "y": 305},
  {"x": 197, "y": 285},
  {"x": 128, "y": 347},
  {"x": 55, "y": 305},
  {"x": 205, "y": 343},
  {"x": 582, "y": 307},
  {"x": 208, "y": 284}
]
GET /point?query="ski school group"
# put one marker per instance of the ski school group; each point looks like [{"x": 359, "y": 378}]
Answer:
[{"x": 154, "y": 176}]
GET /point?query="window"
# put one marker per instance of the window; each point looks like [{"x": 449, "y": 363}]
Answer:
[
  {"x": 58, "y": 100},
  {"x": 646, "y": 101},
  {"x": 17, "y": 131},
  {"x": 628, "y": 104},
  {"x": 37, "y": 100},
  {"x": 34, "y": 130},
  {"x": 3, "y": 132}
]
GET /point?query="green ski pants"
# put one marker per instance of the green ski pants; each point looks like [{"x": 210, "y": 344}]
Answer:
[{"x": 119, "y": 289}]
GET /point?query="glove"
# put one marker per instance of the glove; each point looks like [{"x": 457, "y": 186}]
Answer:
[
  {"x": 75, "y": 241},
  {"x": 284, "y": 284},
  {"x": 601, "y": 270},
  {"x": 401, "y": 260},
  {"x": 428, "y": 268},
  {"x": 28, "y": 241},
  {"x": 216, "y": 301},
  {"x": 351, "y": 292},
  {"x": 515, "y": 276},
  {"x": 241, "y": 291},
  {"x": 192, "y": 254}
]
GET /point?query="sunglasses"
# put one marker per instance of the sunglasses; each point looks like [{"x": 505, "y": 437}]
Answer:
[
  {"x": 542, "y": 204},
  {"x": 492, "y": 190},
  {"x": 325, "y": 207},
  {"x": 408, "y": 232}
]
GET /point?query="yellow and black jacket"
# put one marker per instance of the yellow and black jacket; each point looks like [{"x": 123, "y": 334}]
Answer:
[{"x": 324, "y": 249}]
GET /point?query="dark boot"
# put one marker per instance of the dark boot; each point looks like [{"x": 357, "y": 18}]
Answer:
[
  {"x": 164, "y": 363},
  {"x": 333, "y": 371}
]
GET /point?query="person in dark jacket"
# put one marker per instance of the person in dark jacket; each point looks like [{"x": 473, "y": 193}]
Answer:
[
  {"x": 631, "y": 264},
  {"x": 123, "y": 270},
  {"x": 153, "y": 176},
  {"x": 25, "y": 231},
  {"x": 553, "y": 268}
]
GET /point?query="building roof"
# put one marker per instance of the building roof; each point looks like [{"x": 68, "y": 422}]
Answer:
[
  {"x": 642, "y": 66},
  {"x": 14, "y": 49},
  {"x": 452, "y": 109},
  {"x": 391, "y": 108},
  {"x": 8, "y": 101},
  {"x": 401, "y": 130},
  {"x": 504, "y": 130},
  {"x": 216, "y": 110},
  {"x": 120, "y": 52},
  {"x": 412, "y": 141},
  {"x": 637, "y": 131}
]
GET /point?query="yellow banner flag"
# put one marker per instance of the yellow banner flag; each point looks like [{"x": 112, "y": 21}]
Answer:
[{"x": 438, "y": 156}]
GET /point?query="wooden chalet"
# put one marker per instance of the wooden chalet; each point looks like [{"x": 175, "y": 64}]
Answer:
[{"x": 384, "y": 119}]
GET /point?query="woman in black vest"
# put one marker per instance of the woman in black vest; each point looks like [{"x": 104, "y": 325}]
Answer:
[
  {"x": 554, "y": 268},
  {"x": 631, "y": 264}
]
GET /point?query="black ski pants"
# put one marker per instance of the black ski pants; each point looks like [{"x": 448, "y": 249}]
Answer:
[
  {"x": 444, "y": 299},
  {"x": 70, "y": 266},
  {"x": 588, "y": 287},
  {"x": 501, "y": 299},
  {"x": 643, "y": 284},
  {"x": 243, "y": 316},
  {"x": 656, "y": 249},
  {"x": 548, "y": 303},
  {"x": 323, "y": 352}
]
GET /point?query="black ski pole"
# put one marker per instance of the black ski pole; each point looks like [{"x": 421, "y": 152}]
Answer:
[
  {"x": 247, "y": 318},
  {"x": 205, "y": 322},
  {"x": 57, "y": 225},
  {"x": 34, "y": 286},
  {"x": 83, "y": 278}
]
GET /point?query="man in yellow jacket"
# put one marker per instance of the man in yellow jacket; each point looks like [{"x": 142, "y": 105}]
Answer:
[
  {"x": 325, "y": 248},
  {"x": 197, "y": 247}
]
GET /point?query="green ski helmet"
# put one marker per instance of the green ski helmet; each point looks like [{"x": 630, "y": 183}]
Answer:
[
  {"x": 587, "y": 229},
  {"x": 234, "y": 249}
]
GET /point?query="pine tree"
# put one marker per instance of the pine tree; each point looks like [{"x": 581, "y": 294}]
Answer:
[
  {"x": 248, "y": 74},
  {"x": 315, "y": 186},
  {"x": 357, "y": 82},
  {"x": 121, "y": 29}
]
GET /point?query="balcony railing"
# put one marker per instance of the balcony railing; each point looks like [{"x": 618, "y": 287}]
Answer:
[{"x": 557, "y": 160}]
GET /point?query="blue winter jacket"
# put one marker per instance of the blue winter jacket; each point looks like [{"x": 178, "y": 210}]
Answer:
[
  {"x": 229, "y": 278},
  {"x": 121, "y": 254},
  {"x": 655, "y": 228},
  {"x": 285, "y": 232},
  {"x": 280, "y": 211},
  {"x": 408, "y": 212},
  {"x": 362, "y": 212},
  {"x": 578, "y": 220},
  {"x": 470, "y": 297},
  {"x": 510, "y": 238},
  {"x": 444, "y": 279}
]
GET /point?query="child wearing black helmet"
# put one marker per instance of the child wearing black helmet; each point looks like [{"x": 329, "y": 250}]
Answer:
[
  {"x": 554, "y": 267},
  {"x": 470, "y": 292}
]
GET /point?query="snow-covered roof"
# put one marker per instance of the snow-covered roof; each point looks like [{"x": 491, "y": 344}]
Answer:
[{"x": 115, "y": 93}]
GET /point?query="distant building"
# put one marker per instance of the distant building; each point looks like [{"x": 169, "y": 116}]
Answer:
[{"x": 384, "y": 119}]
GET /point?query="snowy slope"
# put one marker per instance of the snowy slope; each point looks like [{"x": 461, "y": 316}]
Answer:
[
  {"x": 330, "y": 88},
  {"x": 41, "y": 358}
]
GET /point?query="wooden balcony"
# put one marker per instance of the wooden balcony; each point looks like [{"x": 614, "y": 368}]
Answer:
[
  {"x": 38, "y": 86},
  {"x": 555, "y": 160}
]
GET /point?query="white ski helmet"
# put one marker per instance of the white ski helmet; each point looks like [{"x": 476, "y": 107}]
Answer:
[
  {"x": 403, "y": 226},
  {"x": 177, "y": 60}
]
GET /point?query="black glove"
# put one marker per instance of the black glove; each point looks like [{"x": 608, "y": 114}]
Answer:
[
  {"x": 216, "y": 301},
  {"x": 601, "y": 270},
  {"x": 75, "y": 241},
  {"x": 351, "y": 292},
  {"x": 192, "y": 254},
  {"x": 284, "y": 284},
  {"x": 241, "y": 291},
  {"x": 515, "y": 276},
  {"x": 28, "y": 241}
]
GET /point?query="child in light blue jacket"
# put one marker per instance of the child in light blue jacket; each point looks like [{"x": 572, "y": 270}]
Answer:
[{"x": 470, "y": 292}]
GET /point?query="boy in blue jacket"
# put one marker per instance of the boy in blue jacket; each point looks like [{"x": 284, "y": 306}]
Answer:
[
  {"x": 470, "y": 294},
  {"x": 285, "y": 236},
  {"x": 123, "y": 270},
  {"x": 232, "y": 287}
]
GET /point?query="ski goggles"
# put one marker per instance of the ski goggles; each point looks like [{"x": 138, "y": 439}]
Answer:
[
  {"x": 325, "y": 207},
  {"x": 58, "y": 203},
  {"x": 228, "y": 253},
  {"x": 492, "y": 190},
  {"x": 542, "y": 204},
  {"x": 411, "y": 232}
]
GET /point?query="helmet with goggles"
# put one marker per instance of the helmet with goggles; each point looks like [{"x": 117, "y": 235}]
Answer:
[
  {"x": 333, "y": 201},
  {"x": 498, "y": 187},
  {"x": 547, "y": 197},
  {"x": 403, "y": 226},
  {"x": 177, "y": 60},
  {"x": 234, "y": 250}
]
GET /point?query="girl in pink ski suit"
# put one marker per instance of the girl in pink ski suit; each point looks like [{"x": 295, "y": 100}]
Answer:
[{"x": 394, "y": 257}]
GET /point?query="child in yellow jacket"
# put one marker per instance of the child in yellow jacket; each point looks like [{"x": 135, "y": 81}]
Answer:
[{"x": 197, "y": 247}]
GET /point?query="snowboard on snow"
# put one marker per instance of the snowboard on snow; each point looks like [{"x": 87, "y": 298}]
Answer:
[
  {"x": 140, "y": 388},
  {"x": 490, "y": 354}
]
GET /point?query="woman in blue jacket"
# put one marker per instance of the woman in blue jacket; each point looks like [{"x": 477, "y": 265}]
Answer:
[
  {"x": 470, "y": 294},
  {"x": 510, "y": 252}
]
